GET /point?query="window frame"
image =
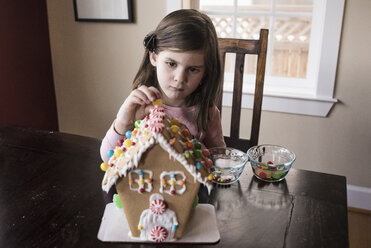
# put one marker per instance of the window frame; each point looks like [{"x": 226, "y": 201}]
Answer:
[{"x": 322, "y": 64}]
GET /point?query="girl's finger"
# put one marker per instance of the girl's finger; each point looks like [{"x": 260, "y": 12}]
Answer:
[
  {"x": 155, "y": 91},
  {"x": 151, "y": 92}
]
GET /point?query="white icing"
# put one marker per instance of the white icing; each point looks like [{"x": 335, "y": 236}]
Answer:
[
  {"x": 176, "y": 182},
  {"x": 141, "y": 178},
  {"x": 148, "y": 220}
]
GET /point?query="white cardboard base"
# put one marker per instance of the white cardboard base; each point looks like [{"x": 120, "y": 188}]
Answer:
[{"x": 201, "y": 227}]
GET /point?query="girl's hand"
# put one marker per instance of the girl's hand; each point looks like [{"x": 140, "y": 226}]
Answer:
[{"x": 136, "y": 106}]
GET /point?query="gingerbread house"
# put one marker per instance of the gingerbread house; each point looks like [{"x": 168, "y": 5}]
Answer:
[{"x": 157, "y": 170}]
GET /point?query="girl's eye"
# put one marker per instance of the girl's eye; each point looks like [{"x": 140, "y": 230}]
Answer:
[
  {"x": 194, "y": 69},
  {"x": 171, "y": 63}
]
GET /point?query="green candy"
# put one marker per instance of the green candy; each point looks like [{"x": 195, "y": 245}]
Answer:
[
  {"x": 197, "y": 153},
  {"x": 195, "y": 202},
  {"x": 137, "y": 123},
  {"x": 278, "y": 174},
  {"x": 186, "y": 154},
  {"x": 198, "y": 145},
  {"x": 117, "y": 201}
]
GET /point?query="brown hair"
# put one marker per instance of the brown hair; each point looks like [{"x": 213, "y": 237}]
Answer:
[{"x": 186, "y": 30}]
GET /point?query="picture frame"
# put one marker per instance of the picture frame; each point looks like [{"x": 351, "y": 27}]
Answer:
[{"x": 103, "y": 10}]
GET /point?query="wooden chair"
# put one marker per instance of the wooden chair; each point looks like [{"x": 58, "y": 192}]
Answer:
[{"x": 241, "y": 47}]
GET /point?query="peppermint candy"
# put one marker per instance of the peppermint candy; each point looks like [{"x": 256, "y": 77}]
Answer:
[
  {"x": 158, "y": 234},
  {"x": 158, "y": 206},
  {"x": 156, "y": 126}
]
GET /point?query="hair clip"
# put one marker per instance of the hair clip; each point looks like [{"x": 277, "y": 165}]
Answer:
[{"x": 150, "y": 42}]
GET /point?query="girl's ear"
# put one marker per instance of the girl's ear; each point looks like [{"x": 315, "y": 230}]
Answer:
[{"x": 153, "y": 58}]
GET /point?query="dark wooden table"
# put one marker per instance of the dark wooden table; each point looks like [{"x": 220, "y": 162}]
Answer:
[{"x": 50, "y": 196}]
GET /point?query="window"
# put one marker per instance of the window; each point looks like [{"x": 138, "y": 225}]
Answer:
[{"x": 302, "y": 49}]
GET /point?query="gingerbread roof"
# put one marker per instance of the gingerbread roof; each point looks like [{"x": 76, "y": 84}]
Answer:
[{"x": 172, "y": 136}]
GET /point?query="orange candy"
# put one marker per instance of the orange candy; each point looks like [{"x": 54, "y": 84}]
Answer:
[
  {"x": 134, "y": 132},
  {"x": 185, "y": 132},
  {"x": 189, "y": 144}
]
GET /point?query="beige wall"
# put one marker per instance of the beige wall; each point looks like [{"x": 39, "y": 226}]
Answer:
[{"x": 94, "y": 64}]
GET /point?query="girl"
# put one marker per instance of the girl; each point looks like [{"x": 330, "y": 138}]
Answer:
[{"x": 181, "y": 65}]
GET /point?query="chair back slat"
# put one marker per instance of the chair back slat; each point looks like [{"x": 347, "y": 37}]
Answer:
[
  {"x": 243, "y": 47},
  {"x": 237, "y": 96}
]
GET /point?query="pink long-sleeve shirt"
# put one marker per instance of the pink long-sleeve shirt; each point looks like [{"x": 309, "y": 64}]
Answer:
[{"x": 213, "y": 137}]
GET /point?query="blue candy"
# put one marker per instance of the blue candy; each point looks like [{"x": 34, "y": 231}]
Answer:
[
  {"x": 198, "y": 165},
  {"x": 110, "y": 153},
  {"x": 128, "y": 134}
]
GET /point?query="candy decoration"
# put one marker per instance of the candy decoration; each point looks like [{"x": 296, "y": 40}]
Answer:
[
  {"x": 175, "y": 121},
  {"x": 156, "y": 127},
  {"x": 158, "y": 207},
  {"x": 117, "y": 201},
  {"x": 185, "y": 132},
  {"x": 174, "y": 128},
  {"x": 120, "y": 142},
  {"x": 208, "y": 163},
  {"x": 210, "y": 177},
  {"x": 127, "y": 143},
  {"x": 134, "y": 132},
  {"x": 174, "y": 227},
  {"x": 110, "y": 153},
  {"x": 195, "y": 202},
  {"x": 173, "y": 182},
  {"x": 158, "y": 234},
  {"x": 206, "y": 152},
  {"x": 137, "y": 123},
  {"x": 128, "y": 134},
  {"x": 141, "y": 182},
  {"x": 157, "y": 102},
  {"x": 198, "y": 145},
  {"x": 104, "y": 166},
  {"x": 189, "y": 144},
  {"x": 172, "y": 141},
  {"x": 198, "y": 165},
  {"x": 186, "y": 153},
  {"x": 117, "y": 153},
  {"x": 197, "y": 153},
  {"x": 140, "y": 227}
]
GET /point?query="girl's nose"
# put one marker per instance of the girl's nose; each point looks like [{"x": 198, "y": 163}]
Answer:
[{"x": 180, "y": 76}]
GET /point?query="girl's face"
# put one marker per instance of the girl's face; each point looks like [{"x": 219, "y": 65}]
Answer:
[{"x": 178, "y": 73}]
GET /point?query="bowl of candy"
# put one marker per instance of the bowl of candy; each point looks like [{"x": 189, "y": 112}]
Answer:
[
  {"x": 270, "y": 163},
  {"x": 228, "y": 164}
]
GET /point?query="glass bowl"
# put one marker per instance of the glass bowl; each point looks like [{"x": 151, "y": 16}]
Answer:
[
  {"x": 270, "y": 163},
  {"x": 228, "y": 164}
]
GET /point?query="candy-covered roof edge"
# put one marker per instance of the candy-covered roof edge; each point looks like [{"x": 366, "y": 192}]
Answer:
[{"x": 157, "y": 138}]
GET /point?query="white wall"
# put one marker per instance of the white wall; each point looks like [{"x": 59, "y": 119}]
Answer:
[{"x": 94, "y": 64}]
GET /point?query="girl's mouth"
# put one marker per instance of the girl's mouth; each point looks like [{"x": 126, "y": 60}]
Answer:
[{"x": 176, "y": 89}]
